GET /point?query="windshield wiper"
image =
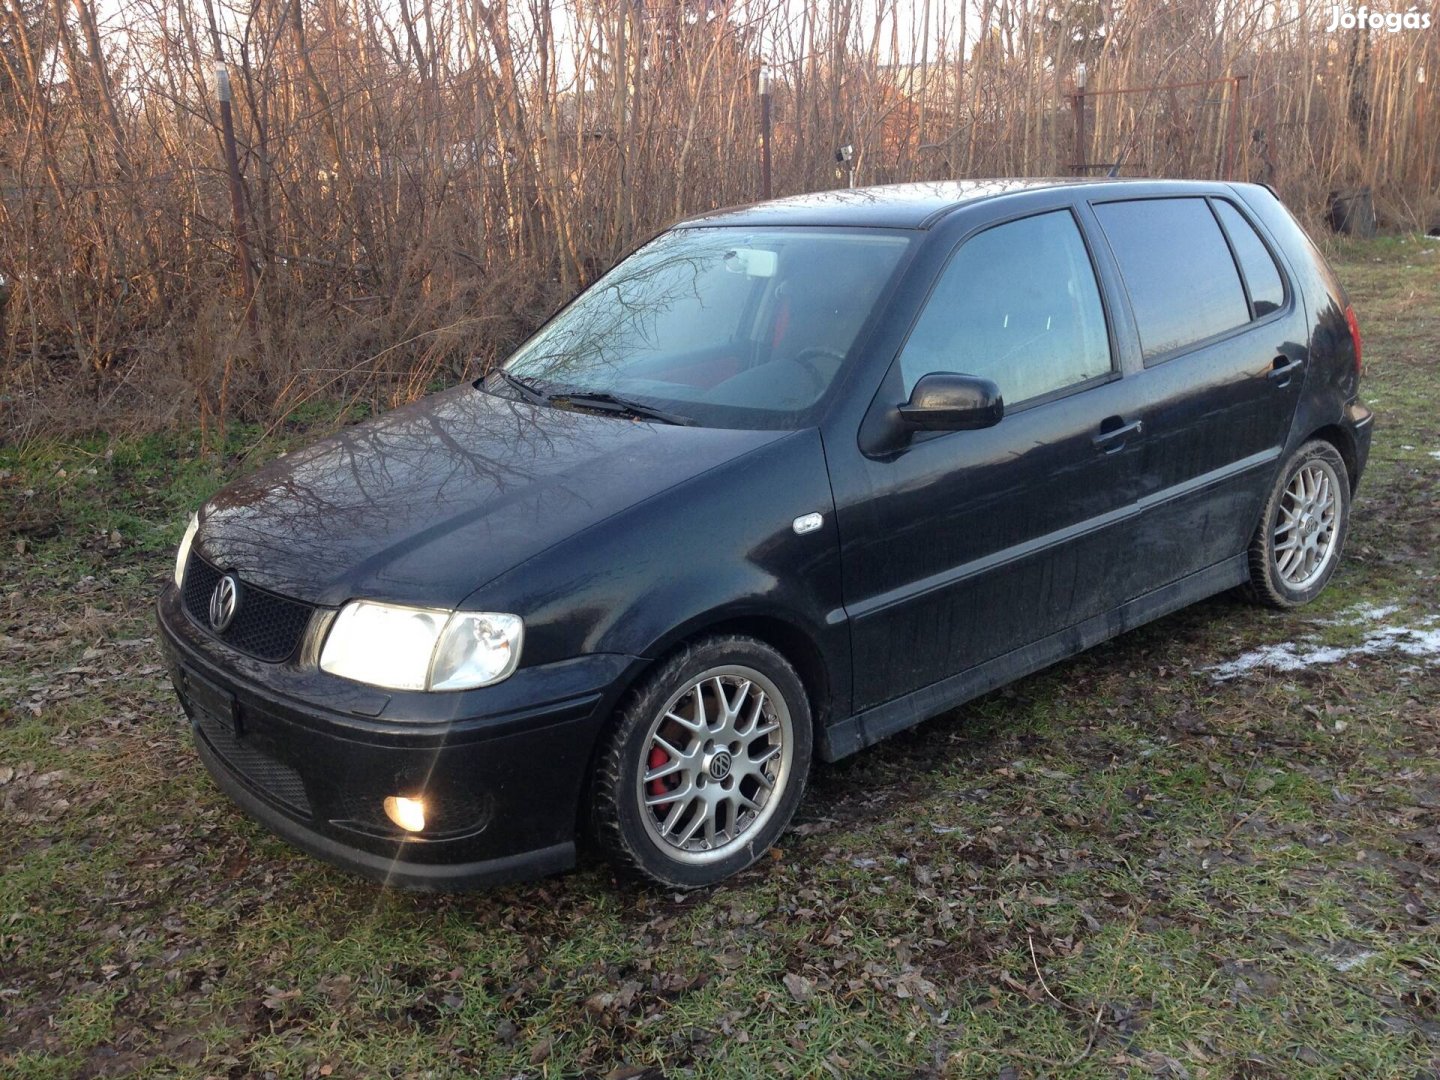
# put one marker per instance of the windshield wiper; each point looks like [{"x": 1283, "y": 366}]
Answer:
[
  {"x": 528, "y": 392},
  {"x": 602, "y": 401},
  {"x": 607, "y": 402}
]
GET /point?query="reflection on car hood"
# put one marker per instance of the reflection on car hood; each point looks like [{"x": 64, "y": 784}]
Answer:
[{"x": 429, "y": 502}]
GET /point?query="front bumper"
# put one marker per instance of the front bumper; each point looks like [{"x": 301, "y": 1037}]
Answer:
[{"x": 312, "y": 758}]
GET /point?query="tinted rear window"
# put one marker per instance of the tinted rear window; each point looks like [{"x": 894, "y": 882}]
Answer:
[
  {"x": 1267, "y": 291},
  {"x": 1178, "y": 270}
]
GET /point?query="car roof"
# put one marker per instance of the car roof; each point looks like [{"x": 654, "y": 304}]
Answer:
[{"x": 906, "y": 206}]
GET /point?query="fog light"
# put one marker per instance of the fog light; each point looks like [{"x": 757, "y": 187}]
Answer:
[{"x": 409, "y": 814}]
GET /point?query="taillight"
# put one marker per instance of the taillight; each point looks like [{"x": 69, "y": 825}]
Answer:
[{"x": 1354, "y": 335}]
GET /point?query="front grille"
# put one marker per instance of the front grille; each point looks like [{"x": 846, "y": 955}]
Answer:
[
  {"x": 266, "y": 626},
  {"x": 274, "y": 778}
]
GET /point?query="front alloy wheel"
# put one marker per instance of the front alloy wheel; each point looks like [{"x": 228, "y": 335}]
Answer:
[
  {"x": 714, "y": 758},
  {"x": 705, "y": 764}
]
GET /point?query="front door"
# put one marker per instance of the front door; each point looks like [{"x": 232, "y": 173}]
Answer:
[{"x": 962, "y": 546}]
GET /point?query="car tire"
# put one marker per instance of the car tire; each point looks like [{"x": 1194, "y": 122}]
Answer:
[
  {"x": 723, "y": 727},
  {"x": 1302, "y": 529}
]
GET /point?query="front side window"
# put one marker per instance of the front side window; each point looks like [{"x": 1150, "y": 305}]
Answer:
[
  {"x": 1178, "y": 271},
  {"x": 729, "y": 327},
  {"x": 1018, "y": 304}
]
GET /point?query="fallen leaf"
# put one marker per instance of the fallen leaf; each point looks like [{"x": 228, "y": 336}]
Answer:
[
  {"x": 275, "y": 998},
  {"x": 799, "y": 987}
]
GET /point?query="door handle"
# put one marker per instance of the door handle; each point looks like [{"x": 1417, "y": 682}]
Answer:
[
  {"x": 1114, "y": 432},
  {"x": 1283, "y": 369}
]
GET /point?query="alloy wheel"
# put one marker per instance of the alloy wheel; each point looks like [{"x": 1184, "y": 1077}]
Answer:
[
  {"x": 1305, "y": 531},
  {"x": 716, "y": 761}
]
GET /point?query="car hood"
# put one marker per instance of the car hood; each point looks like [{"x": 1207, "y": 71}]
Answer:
[{"x": 429, "y": 502}]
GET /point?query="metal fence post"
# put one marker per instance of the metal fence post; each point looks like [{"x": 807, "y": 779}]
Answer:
[{"x": 1077, "y": 101}]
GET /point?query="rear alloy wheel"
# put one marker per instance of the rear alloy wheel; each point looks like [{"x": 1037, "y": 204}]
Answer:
[
  {"x": 705, "y": 765},
  {"x": 1302, "y": 531}
]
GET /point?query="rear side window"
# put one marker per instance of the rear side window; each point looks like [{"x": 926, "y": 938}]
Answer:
[
  {"x": 1267, "y": 290},
  {"x": 1018, "y": 304},
  {"x": 1178, "y": 271}
]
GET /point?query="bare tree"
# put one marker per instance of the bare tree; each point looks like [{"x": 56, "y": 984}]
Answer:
[{"x": 419, "y": 183}]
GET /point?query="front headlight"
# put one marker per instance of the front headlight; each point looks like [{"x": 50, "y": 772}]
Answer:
[
  {"x": 182, "y": 556},
  {"x": 476, "y": 648},
  {"x": 405, "y": 648}
]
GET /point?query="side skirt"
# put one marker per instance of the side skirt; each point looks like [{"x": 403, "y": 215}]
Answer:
[{"x": 864, "y": 729}]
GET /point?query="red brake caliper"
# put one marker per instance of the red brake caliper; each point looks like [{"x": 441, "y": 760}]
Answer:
[{"x": 657, "y": 786}]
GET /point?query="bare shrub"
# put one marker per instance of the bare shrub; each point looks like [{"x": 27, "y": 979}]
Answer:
[{"x": 420, "y": 183}]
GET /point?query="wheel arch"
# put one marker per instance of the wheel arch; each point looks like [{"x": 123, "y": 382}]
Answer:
[
  {"x": 790, "y": 641},
  {"x": 1344, "y": 444},
  {"x": 786, "y": 635}
]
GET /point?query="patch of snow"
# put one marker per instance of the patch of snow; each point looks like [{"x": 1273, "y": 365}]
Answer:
[
  {"x": 1421, "y": 642},
  {"x": 1350, "y": 963},
  {"x": 1363, "y": 614},
  {"x": 1287, "y": 656}
]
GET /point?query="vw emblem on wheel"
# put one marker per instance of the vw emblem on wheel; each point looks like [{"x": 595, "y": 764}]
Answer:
[
  {"x": 720, "y": 765},
  {"x": 223, "y": 603}
]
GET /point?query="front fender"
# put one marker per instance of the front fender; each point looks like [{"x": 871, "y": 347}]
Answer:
[{"x": 718, "y": 549}]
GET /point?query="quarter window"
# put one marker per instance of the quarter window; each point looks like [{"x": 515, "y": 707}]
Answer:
[
  {"x": 1182, "y": 281},
  {"x": 1018, "y": 304},
  {"x": 1267, "y": 290}
]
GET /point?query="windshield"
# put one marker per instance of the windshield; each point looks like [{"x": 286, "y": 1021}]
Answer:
[{"x": 726, "y": 327}]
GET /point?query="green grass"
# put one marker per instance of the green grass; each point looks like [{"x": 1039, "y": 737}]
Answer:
[{"x": 1117, "y": 867}]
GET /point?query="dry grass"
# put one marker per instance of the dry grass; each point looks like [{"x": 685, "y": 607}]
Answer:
[{"x": 420, "y": 183}]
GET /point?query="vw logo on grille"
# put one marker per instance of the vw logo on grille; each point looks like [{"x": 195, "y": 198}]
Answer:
[{"x": 223, "y": 603}]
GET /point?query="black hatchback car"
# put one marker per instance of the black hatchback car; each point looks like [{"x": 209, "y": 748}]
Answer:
[{"x": 788, "y": 479}]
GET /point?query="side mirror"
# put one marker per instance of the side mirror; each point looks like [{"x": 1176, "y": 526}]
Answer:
[{"x": 945, "y": 402}]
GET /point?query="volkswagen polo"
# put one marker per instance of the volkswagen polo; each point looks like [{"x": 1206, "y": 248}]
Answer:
[{"x": 786, "y": 480}]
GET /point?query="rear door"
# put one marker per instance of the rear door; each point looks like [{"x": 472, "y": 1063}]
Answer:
[{"x": 1224, "y": 362}]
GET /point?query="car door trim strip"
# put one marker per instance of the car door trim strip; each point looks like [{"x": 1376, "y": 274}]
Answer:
[
  {"x": 946, "y": 578},
  {"x": 863, "y": 729}
]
